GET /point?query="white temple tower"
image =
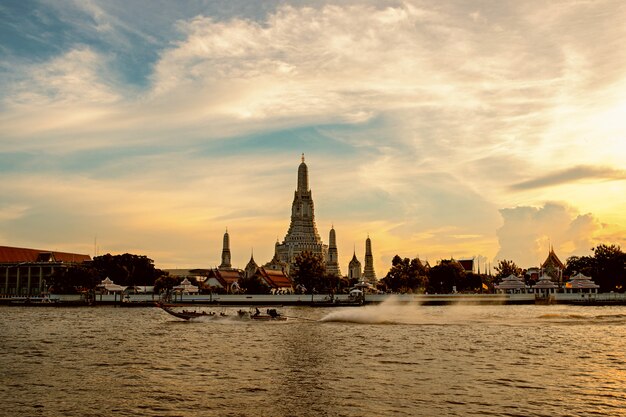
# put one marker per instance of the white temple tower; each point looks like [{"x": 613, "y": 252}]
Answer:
[
  {"x": 368, "y": 271},
  {"x": 332, "y": 262},
  {"x": 302, "y": 234},
  {"x": 226, "y": 253}
]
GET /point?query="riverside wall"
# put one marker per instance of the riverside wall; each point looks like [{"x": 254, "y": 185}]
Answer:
[{"x": 145, "y": 300}]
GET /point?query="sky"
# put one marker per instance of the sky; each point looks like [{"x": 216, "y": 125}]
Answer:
[{"x": 487, "y": 129}]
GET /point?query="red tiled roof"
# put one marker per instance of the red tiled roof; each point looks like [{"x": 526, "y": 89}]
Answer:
[
  {"x": 225, "y": 277},
  {"x": 10, "y": 254},
  {"x": 275, "y": 278}
]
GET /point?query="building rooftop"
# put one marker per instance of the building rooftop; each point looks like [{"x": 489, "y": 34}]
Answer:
[{"x": 9, "y": 254}]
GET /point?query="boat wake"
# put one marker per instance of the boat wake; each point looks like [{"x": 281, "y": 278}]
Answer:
[
  {"x": 584, "y": 318},
  {"x": 388, "y": 312}
]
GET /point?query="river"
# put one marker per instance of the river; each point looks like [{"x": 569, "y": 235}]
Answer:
[{"x": 378, "y": 360}]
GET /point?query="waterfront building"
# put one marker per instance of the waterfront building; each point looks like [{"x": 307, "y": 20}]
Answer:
[
  {"x": 302, "y": 234},
  {"x": 354, "y": 268},
  {"x": 369, "y": 275},
  {"x": 545, "y": 286},
  {"x": 511, "y": 285},
  {"x": 24, "y": 272},
  {"x": 186, "y": 287},
  {"x": 580, "y": 283},
  {"x": 226, "y": 252},
  {"x": 224, "y": 279},
  {"x": 107, "y": 286},
  {"x": 332, "y": 262}
]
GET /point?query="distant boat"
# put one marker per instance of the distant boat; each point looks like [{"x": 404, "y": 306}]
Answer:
[
  {"x": 184, "y": 314},
  {"x": 272, "y": 314}
]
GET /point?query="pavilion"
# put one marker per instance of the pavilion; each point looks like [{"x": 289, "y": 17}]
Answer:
[
  {"x": 512, "y": 285},
  {"x": 580, "y": 283}
]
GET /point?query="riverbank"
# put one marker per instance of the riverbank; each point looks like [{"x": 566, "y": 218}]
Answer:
[{"x": 318, "y": 300}]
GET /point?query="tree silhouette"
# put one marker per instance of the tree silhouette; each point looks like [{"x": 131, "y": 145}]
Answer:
[{"x": 310, "y": 272}]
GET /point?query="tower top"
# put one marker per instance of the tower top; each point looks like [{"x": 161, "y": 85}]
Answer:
[{"x": 303, "y": 177}]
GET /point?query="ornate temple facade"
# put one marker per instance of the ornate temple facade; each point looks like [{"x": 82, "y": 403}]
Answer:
[
  {"x": 369, "y": 275},
  {"x": 354, "y": 268},
  {"x": 553, "y": 267},
  {"x": 302, "y": 234}
]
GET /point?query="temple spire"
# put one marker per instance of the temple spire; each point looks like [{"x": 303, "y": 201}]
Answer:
[
  {"x": 303, "y": 177},
  {"x": 368, "y": 271},
  {"x": 332, "y": 260},
  {"x": 226, "y": 252},
  {"x": 302, "y": 234}
]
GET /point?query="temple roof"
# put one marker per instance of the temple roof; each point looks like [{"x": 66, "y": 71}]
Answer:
[
  {"x": 545, "y": 283},
  {"x": 354, "y": 260},
  {"x": 226, "y": 277},
  {"x": 511, "y": 283},
  {"x": 581, "y": 281},
  {"x": 10, "y": 254},
  {"x": 275, "y": 278},
  {"x": 552, "y": 259}
]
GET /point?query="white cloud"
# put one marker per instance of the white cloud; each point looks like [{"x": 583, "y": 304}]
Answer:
[
  {"x": 528, "y": 232},
  {"x": 429, "y": 114}
]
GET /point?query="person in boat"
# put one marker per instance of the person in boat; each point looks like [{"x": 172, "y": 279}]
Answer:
[
  {"x": 273, "y": 313},
  {"x": 257, "y": 312}
]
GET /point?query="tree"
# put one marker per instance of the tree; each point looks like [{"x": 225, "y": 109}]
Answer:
[
  {"x": 585, "y": 265},
  {"x": 607, "y": 267},
  {"x": 405, "y": 275},
  {"x": 127, "y": 269},
  {"x": 165, "y": 283},
  {"x": 610, "y": 264},
  {"x": 71, "y": 280},
  {"x": 445, "y": 276},
  {"x": 473, "y": 282},
  {"x": 506, "y": 268},
  {"x": 310, "y": 272},
  {"x": 253, "y": 285}
]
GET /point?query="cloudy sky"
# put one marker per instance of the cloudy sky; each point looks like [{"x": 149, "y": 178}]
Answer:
[{"x": 441, "y": 129}]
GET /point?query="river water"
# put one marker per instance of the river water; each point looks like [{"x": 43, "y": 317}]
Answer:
[{"x": 384, "y": 360}]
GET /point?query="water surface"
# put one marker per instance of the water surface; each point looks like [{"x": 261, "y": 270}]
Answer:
[{"x": 369, "y": 361}]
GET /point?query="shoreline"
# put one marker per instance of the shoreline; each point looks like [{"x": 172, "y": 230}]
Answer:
[{"x": 318, "y": 300}]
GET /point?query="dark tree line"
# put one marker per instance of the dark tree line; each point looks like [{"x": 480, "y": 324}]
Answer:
[
  {"x": 126, "y": 270},
  {"x": 406, "y": 275},
  {"x": 607, "y": 267},
  {"x": 411, "y": 276}
]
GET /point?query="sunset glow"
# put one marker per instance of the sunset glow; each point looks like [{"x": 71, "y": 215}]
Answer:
[{"x": 487, "y": 129}]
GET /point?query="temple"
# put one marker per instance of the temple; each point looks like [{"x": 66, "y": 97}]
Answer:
[
  {"x": 332, "y": 262},
  {"x": 553, "y": 267},
  {"x": 369, "y": 275},
  {"x": 354, "y": 268},
  {"x": 226, "y": 253},
  {"x": 302, "y": 234}
]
